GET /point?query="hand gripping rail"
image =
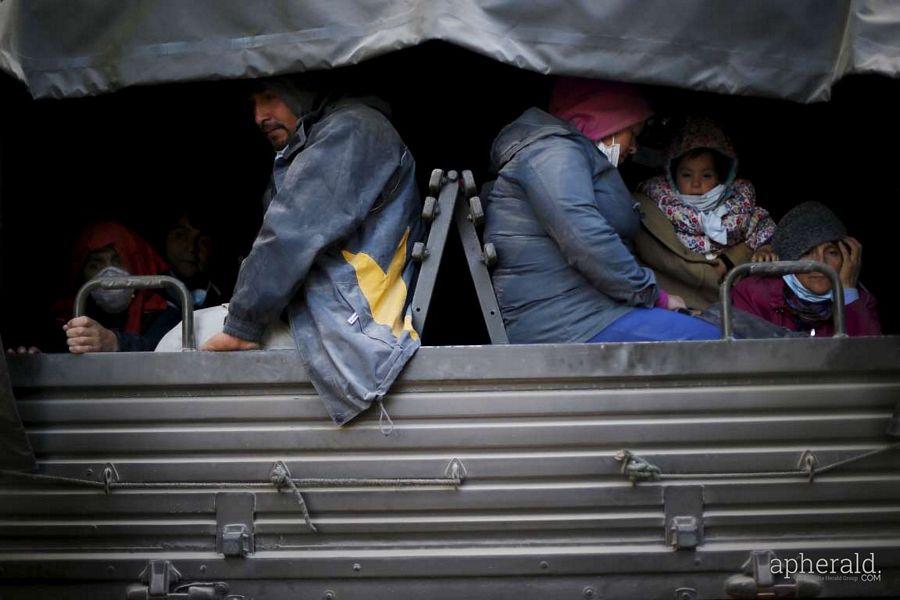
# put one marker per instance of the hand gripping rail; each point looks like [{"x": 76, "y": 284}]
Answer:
[
  {"x": 782, "y": 268},
  {"x": 142, "y": 283}
]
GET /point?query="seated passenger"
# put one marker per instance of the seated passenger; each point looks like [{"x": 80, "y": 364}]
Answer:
[
  {"x": 563, "y": 221},
  {"x": 699, "y": 220},
  {"x": 803, "y": 302},
  {"x": 188, "y": 247},
  {"x": 116, "y": 320},
  {"x": 342, "y": 215}
]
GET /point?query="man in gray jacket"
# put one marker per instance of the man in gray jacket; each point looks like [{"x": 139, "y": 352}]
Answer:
[{"x": 333, "y": 252}]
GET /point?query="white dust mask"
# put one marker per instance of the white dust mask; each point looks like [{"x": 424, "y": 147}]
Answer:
[
  {"x": 704, "y": 202},
  {"x": 611, "y": 152}
]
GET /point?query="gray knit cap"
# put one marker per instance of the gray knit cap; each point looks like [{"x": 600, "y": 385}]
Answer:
[{"x": 804, "y": 227}]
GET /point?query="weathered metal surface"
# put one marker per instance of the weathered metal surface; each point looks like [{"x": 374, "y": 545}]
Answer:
[
  {"x": 662, "y": 364},
  {"x": 544, "y": 510},
  {"x": 15, "y": 451},
  {"x": 448, "y": 204},
  {"x": 235, "y": 523},
  {"x": 468, "y": 214},
  {"x": 438, "y": 211},
  {"x": 684, "y": 516}
]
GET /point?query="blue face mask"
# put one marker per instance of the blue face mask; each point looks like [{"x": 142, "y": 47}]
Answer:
[
  {"x": 199, "y": 297},
  {"x": 803, "y": 293}
]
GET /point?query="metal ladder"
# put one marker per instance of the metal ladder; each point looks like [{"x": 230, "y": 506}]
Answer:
[{"x": 454, "y": 199}]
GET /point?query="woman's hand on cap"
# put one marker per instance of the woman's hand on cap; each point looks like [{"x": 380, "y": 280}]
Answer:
[{"x": 851, "y": 251}]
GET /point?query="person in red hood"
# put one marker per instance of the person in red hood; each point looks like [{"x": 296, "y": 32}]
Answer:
[{"x": 116, "y": 320}]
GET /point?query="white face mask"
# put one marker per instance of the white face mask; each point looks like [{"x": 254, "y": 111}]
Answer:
[
  {"x": 611, "y": 152},
  {"x": 112, "y": 301},
  {"x": 704, "y": 202}
]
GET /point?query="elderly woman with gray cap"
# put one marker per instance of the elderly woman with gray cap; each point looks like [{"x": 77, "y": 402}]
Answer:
[{"x": 803, "y": 302}]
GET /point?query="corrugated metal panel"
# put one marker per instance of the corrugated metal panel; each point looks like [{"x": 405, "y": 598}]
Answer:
[{"x": 537, "y": 429}]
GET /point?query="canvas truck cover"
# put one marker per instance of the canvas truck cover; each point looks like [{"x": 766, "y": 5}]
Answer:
[{"x": 794, "y": 50}]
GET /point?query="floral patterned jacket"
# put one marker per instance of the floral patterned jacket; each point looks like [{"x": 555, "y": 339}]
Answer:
[{"x": 743, "y": 220}]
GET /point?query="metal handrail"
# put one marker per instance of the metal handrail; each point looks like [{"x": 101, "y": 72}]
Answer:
[
  {"x": 782, "y": 268},
  {"x": 143, "y": 282}
]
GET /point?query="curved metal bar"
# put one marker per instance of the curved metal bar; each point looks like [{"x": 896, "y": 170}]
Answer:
[
  {"x": 144, "y": 282},
  {"x": 782, "y": 268}
]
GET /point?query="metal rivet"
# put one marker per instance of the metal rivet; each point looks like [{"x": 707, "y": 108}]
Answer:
[
  {"x": 545, "y": 564},
  {"x": 89, "y": 472},
  {"x": 357, "y": 567},
  {"x": 203, "y": 568},
  {"x": 697, "y": 561},
  {"x": 589, "y": 592},
  {"x": 110, "y": 569},
  {"x": 329, "y": 595}
]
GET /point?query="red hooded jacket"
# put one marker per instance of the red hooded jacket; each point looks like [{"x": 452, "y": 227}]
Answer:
[
  {"x": 764, "y": 297},
  {"x": 138, "y": 258}
]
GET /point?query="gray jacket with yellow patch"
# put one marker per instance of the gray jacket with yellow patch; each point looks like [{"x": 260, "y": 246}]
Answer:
[{"x": 333, "y": 252}]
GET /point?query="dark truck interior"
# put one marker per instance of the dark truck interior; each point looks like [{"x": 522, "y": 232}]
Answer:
[{"x": 139, "y": 154}]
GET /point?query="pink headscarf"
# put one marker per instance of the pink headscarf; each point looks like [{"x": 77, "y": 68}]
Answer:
[{"x": 598, "y": 108}]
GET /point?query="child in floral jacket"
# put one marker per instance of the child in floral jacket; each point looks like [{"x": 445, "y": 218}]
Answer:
[
  {"x": 714, "y": 215},
  {"x": 708, "y": 206}
]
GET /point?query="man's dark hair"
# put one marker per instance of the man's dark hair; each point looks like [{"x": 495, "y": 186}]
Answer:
[{"x": 199, "y": 216}]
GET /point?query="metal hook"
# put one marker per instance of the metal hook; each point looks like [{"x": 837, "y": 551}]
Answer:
[
  {"x": 109, "y": 475},
  {"x": 388, "y": 429}
]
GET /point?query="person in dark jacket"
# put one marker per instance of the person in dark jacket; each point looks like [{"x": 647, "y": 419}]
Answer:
[
  {"x": 334, "y": 249},
  {"x": 563, "y": 221},
  {"x": 803, "y": 302},
  {"x": 116, "y": 320},
  {"x": 187, "y": 245}
]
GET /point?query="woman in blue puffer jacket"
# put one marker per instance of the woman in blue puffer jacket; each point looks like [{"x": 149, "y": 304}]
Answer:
[{"x": 562, "y": 221}]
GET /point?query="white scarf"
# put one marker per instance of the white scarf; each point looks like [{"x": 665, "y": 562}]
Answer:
[{"x": 710, "y": 215}]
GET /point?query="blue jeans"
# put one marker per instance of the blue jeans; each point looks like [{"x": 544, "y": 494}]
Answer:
[{"x": 656, "y": 325}]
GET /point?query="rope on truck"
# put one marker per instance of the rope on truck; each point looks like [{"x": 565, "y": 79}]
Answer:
[
  {"x": 280, "y": 477},
  {"x": 309, "y": 482},
  {"x": 638, "y": 469}
]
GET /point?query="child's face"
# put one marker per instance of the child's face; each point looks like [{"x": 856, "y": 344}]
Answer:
[{"x": 696, "y": 176}]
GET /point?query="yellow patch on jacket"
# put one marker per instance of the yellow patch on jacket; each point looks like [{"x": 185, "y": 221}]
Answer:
[{"x": 385, "y": 291}]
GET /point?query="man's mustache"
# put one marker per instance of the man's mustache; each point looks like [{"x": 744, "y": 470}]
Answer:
[{"x": 268, "y": 127}]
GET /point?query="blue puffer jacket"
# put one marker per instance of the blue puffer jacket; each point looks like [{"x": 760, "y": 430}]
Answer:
[
  {"x": 334, "y": 250},
  {"x": 562, "y": 221}
]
